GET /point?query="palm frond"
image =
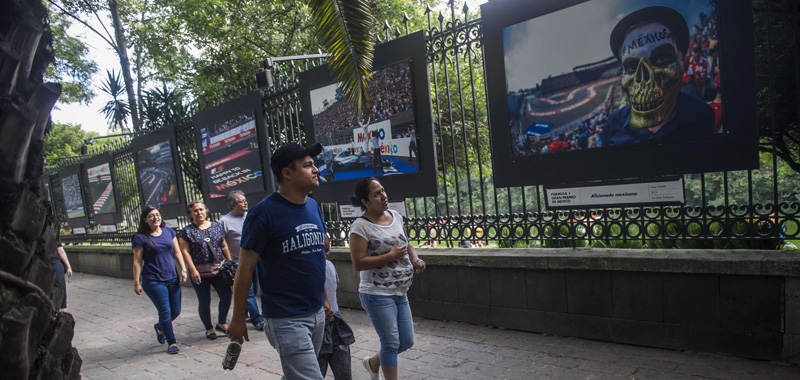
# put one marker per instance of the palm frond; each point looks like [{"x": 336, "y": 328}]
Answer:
[
  {"x": 116, "y": 110},
  {"x": 344, "y": 29}
]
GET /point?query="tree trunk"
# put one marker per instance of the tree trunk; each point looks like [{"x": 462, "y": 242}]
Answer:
[
  {"x": 35, "y": 337},
  {"x": 122, "y": 49}
]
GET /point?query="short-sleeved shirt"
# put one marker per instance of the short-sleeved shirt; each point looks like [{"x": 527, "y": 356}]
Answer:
[
  {"x": 157, "y": 254},
  {"x": 290, "y": 239},
  {"x": 232, "y": 225},
  {"x": 390, "y": 279},
  {"x": 198, "y": 248},
  {"x": 331, "y": 284}
]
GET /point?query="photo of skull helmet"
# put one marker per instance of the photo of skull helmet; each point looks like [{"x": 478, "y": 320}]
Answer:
[{"x": 650, "y": 43}]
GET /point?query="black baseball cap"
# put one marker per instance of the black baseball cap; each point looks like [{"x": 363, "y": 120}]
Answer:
[
  {"x": 667, "y": 16},
  {"x": 289, "y": 152}
]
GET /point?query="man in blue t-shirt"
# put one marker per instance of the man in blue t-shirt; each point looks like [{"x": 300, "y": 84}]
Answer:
[{"x": 285, "y": 236}]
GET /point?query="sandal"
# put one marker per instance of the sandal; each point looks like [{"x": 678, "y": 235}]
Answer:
[{"x": 173, "y": 349}]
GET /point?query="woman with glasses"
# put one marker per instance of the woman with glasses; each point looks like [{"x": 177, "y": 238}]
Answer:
[{"x": 155, "y": 251}]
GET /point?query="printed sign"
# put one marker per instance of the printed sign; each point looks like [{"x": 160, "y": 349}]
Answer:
[
  {"x": 350, "y": 212},
  {"x": 643, "y": 193}
]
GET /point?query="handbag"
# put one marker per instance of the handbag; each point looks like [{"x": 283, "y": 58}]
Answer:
[
  {"x": 227, "y": 272},
  {"x": 208, "y": 270}
]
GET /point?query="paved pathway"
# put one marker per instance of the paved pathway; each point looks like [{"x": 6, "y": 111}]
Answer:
[{"x": 114, "y": 335}]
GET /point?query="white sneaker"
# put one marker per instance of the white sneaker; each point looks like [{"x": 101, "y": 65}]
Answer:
[{"x": 373, "y": 375}]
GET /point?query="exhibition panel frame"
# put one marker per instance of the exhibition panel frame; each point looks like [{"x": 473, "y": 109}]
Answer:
[
  {"x": 571, "y": 101},
  {"x": 393, "y": 140},
  {"x": 102, "y": 185},
  {"x": 229, "y": 138},
  {"x": 159, "y": 181},
  {"x": 73, "y": 195}
]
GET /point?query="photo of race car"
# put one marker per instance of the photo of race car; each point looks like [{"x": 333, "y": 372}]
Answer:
[{"x": 346, "y": 160}]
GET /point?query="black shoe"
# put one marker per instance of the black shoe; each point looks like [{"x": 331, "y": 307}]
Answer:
[
  {"x": 211, "y": 336},
  {"x": 220, "y": 329}
]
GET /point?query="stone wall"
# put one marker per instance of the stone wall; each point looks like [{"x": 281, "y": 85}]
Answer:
[
  {"x": 740, "y": 303},
  {"x": 36, "y": 339}
]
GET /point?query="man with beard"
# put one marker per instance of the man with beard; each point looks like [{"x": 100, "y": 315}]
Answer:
[{"x": 649, "y": 43}]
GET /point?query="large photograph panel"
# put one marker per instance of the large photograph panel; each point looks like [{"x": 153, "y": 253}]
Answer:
[
  {"x": 157, "y": 179},
  {"x": 393, "y": 138},
  {"x": 382, "y": 142},
  {"x": 73, "y": 201},
  {"x": 229, "y": 139},
  {"x": 232, "y": 160},
  {"x": 589, "y": 96},
  {"x": 611, "y": 89},
  {"x": 101, "y": 189}
]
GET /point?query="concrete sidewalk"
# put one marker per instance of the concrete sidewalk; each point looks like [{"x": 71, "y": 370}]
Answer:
[{"x": 115, "y": 338}]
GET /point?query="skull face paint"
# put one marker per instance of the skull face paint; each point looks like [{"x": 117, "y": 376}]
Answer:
[{"x": 652, "y": 72}]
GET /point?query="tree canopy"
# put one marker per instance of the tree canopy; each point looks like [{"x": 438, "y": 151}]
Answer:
[{"x": 65, "y": 140}]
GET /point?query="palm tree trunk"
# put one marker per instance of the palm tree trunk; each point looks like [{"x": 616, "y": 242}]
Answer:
[{"x": 122, "y": 48}]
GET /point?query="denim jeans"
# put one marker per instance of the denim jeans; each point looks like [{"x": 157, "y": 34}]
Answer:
[
  {"x": 253, "y": 315},
  {"x": 166, "y": 296},
  {"x": 298, "y": 340},
  {"x": 391, "y": 318},
  {"x": 203, "y": 291}
]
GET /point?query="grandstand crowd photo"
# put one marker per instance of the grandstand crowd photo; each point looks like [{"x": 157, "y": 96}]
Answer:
[
  {"x": 382, "y": 141},
  {"x": 73, "y": 201},
  {"x": 639, "y": 72}
]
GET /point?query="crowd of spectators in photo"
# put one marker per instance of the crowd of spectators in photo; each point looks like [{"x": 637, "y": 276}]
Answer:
[
  {"x": 701, "y": 78},
  {"x": 230, "y": 124},
  {"x": 587, "y": 134},
  {"x": 701, "y": 64},
  {"x": 72, "y": 191},
  {"x": 389, "y": 93}
]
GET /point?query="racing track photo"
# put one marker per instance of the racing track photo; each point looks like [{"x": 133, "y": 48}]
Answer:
[
  {"x": 567, "y": 106},
  {"x": 153, "y": 182}
]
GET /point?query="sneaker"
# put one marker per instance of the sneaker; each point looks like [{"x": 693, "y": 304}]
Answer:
[
  {"x": 173, "y": 349},
  {"x": 159, "y": 336},
  {"x": 259, "y": 326},
  {"x": 372, "y": 375}
]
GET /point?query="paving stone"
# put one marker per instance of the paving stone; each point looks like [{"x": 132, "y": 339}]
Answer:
[{"x": 113, "y": 333}]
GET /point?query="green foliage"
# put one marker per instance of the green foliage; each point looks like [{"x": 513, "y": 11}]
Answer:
[
  {"x": 163, "y": 106},
  {"x": 65, "y": 140},
  {"x": 72, "y": 68},
  {"x": 776, "y": 79}
]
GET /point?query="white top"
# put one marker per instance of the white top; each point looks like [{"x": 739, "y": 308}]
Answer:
[
  {"x": 395, "y": 277},
  {"x": 331, "y": 284}
]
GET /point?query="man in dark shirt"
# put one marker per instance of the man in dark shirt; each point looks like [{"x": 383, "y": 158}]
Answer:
[{"x": 285, "y": 236}]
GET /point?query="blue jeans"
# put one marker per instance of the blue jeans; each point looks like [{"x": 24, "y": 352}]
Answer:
[
  {"x": 391, "y": 317},
  {"x": 166, "y": 296},
  {"x": 253, "y": 315},
  {"x": 203, "y": 291},
  {"x": 298, "y": 340}
]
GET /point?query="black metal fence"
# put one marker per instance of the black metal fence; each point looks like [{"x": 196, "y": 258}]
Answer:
[{"x": 743, "y": 209}]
